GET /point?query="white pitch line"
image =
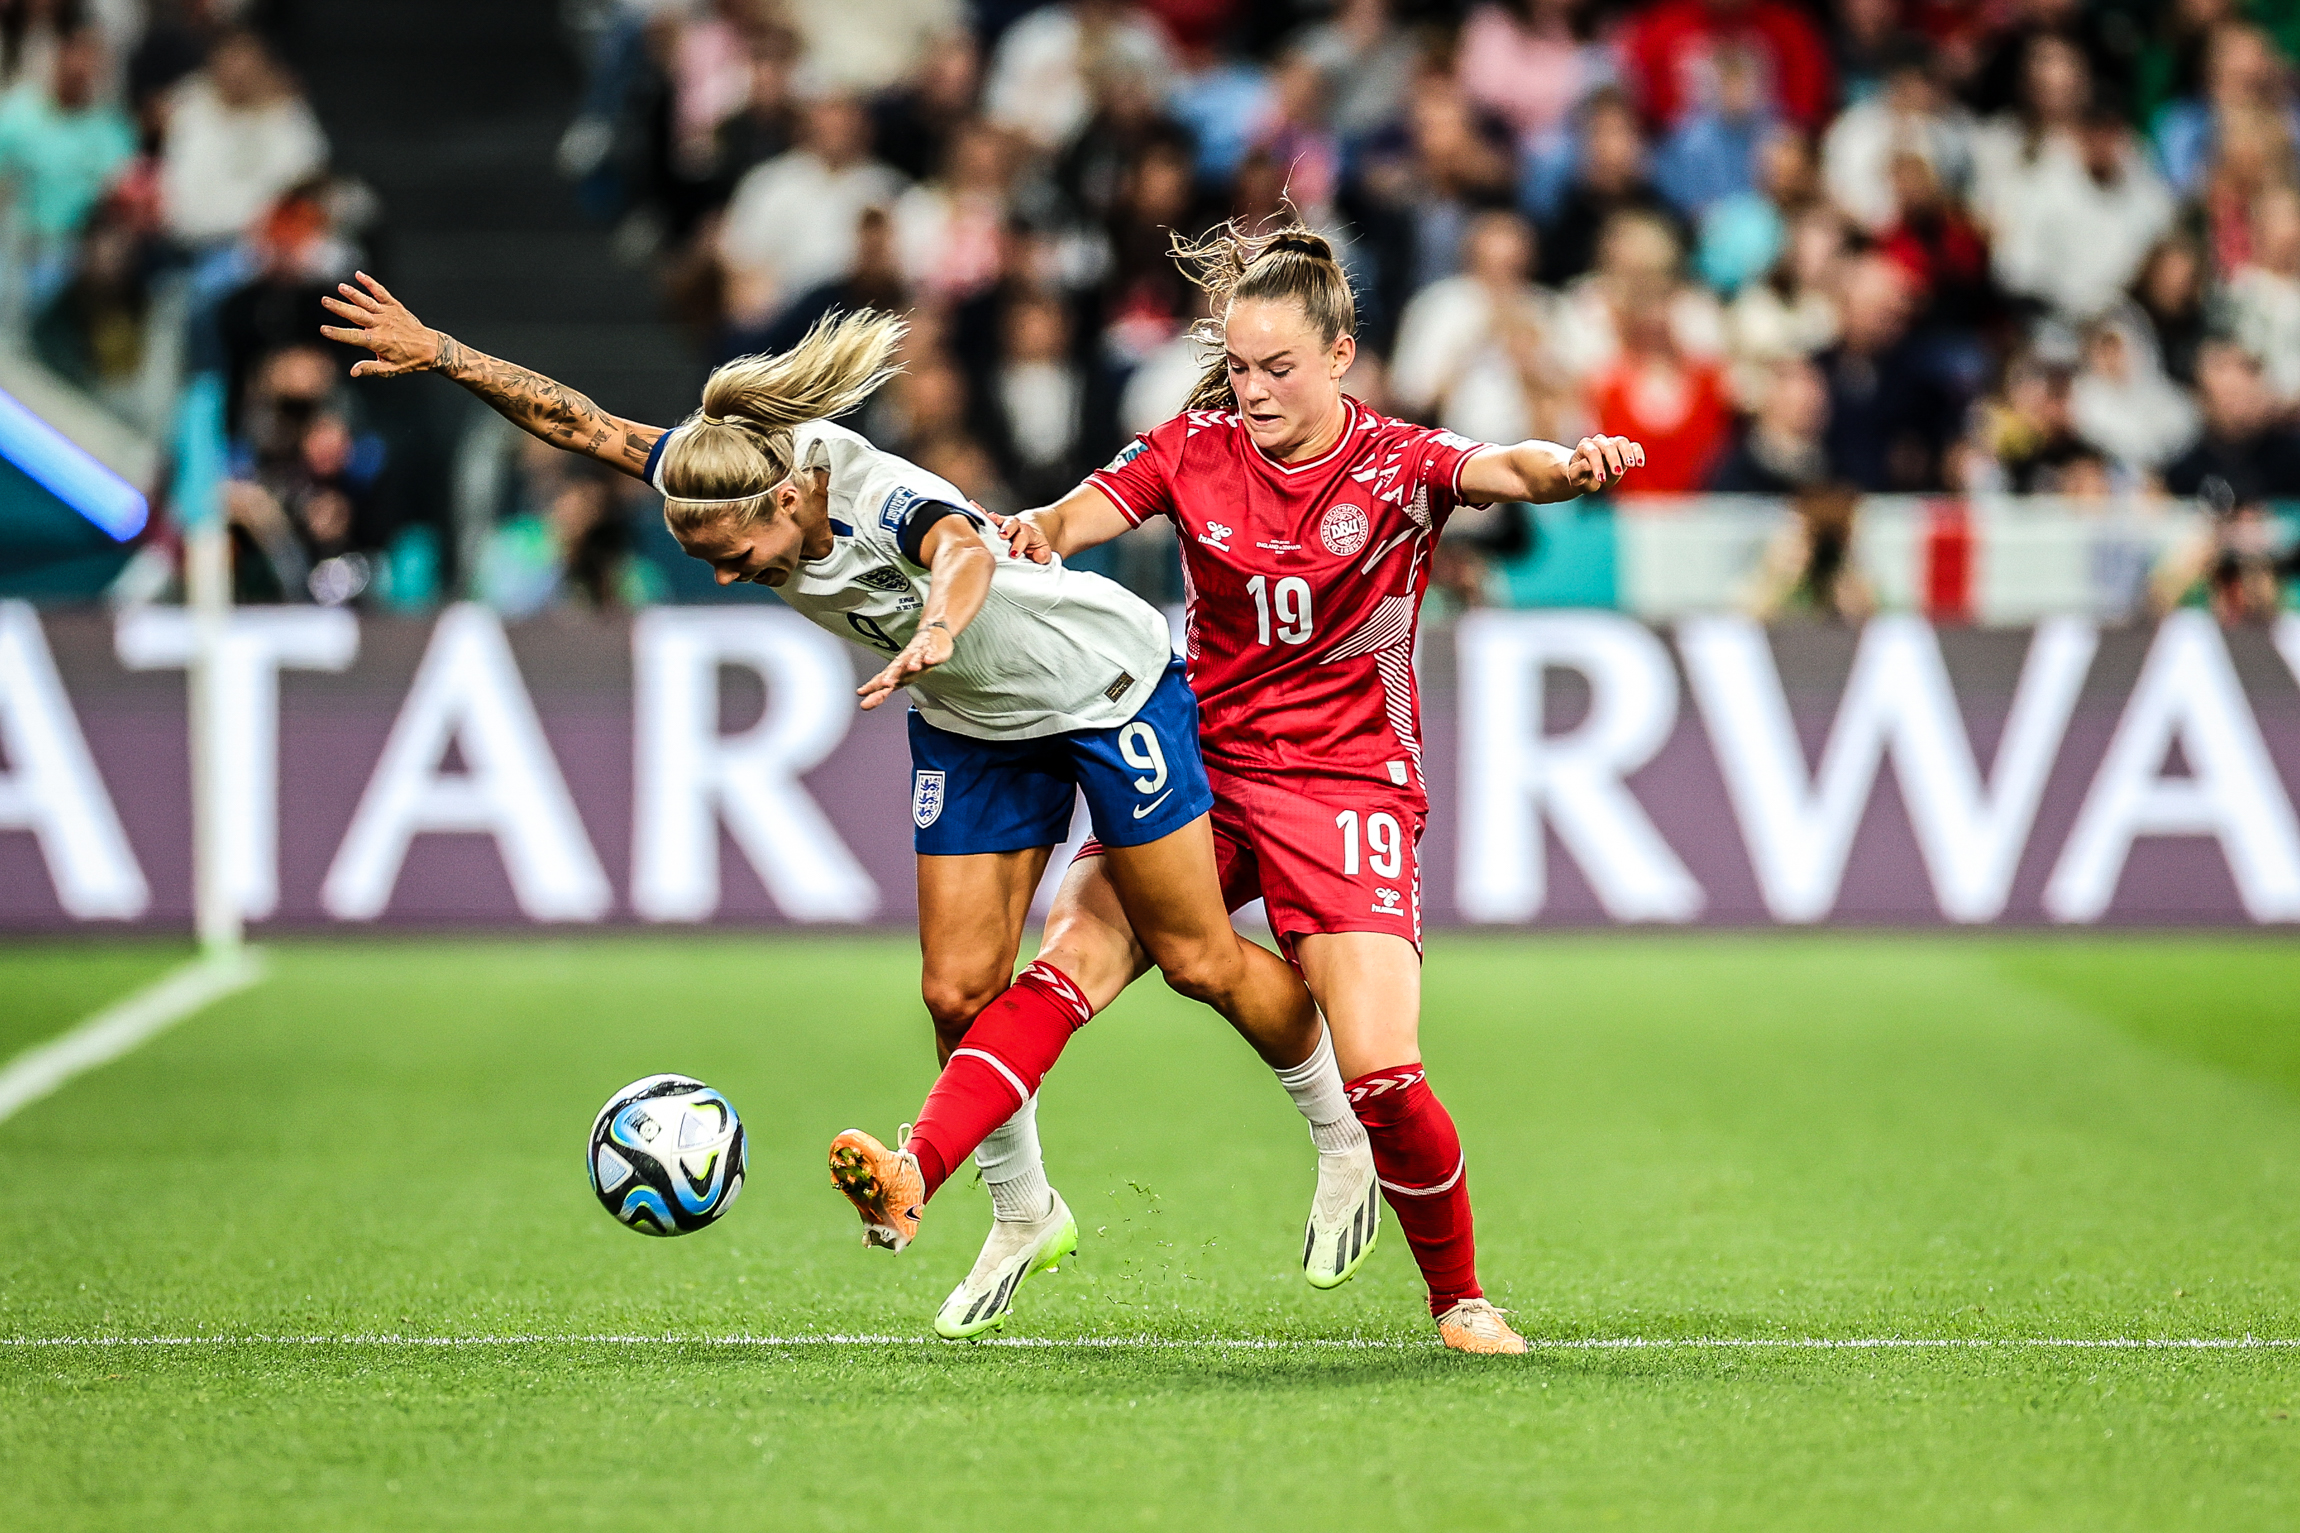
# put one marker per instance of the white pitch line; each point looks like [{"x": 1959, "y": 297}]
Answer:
[
  {"x": 118, "y": 1028},
  {"x": 1211, "y": 1344}
]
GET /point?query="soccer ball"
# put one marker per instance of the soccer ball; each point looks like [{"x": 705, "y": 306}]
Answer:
[{"x": 667, "y": 1155}]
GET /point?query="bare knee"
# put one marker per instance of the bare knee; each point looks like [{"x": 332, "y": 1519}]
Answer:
[
  {"x": 1203, "y": 971},
  {"x": 955, "y": 1000}
]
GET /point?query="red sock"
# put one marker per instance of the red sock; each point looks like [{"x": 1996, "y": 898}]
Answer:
[
  {"x": 1007, "y": 1052},
  {"x": 1418, "y": 1157}
]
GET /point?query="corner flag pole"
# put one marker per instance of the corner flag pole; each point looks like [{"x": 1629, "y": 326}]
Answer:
[{"x": 200, "y": 463}]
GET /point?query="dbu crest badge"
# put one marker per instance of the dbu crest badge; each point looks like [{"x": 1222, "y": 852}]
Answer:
[{"x": 926, "y": 798}]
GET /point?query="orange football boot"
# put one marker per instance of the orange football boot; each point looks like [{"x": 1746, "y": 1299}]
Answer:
[
  {"x": 1476, "y": 1326},
  {"x": 885, "y": 1186}
]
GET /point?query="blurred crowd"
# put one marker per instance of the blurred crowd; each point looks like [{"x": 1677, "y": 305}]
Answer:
[
  {"x": 1797, "y": 247},
  {"x": 2015, "y": 246},
  {"x": 167, "y": 208}
]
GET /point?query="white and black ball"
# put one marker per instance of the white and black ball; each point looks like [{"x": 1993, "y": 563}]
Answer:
[{"x": 667, "y": 1155}]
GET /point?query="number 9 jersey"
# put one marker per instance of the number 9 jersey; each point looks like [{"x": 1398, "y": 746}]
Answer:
[{"x": 1304, "y": 584}]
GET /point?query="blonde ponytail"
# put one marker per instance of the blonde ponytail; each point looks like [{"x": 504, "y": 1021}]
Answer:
[
  {"x": 720, "y": 465},
  {"x": 1291, "y": 262}
]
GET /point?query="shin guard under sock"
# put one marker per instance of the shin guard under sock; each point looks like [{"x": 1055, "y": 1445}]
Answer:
[
  {"x": 1418, "y": 1156},
  {"x": 1006, "y": 1053}
]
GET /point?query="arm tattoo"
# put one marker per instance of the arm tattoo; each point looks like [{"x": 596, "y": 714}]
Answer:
[{"x": 535, "y": 404}]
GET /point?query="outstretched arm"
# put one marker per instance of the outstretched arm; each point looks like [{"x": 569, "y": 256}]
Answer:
[
  {"x": 1080, "y": 519},
  {"x": 1544, "y": 471},
  {"x": 530, "y": 401}
]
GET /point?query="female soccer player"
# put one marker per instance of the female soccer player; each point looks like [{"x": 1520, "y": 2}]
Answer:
[
  {"x": 1032, "y": 682},
  {"x": 1306, "y": 523}
]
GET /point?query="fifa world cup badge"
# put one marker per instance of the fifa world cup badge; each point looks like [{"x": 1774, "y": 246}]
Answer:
[{"x": 926, "y": 799}]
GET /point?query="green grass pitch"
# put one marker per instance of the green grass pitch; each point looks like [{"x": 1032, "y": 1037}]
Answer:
[{"x": 1671, "y": 1139}]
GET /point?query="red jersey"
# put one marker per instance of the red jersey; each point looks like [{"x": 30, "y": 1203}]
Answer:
[{"x": 1303, "y": 584}]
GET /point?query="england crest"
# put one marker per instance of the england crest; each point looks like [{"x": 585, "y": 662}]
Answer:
[{"x": 926, "y": 798}]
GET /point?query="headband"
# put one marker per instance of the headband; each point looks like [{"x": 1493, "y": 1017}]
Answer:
[{"x": 731, "y": 500}]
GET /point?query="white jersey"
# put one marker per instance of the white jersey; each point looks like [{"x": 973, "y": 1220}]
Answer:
[{"x": 1052, "y": 650}]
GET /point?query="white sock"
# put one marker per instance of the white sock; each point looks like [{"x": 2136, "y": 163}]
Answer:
[
  {"x": 1316, "y": 1087},
  {"x": 1014, "y": 1170}
]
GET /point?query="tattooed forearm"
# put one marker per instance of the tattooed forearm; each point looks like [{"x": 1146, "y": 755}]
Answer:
[{"x": 545, "y": 408}]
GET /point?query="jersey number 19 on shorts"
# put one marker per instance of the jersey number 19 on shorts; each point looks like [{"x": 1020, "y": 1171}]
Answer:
[{"x": 1385, "y": 843}]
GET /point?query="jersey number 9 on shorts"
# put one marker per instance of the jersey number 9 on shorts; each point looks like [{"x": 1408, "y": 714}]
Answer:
[
  {"x": 1138, "y": 745},
  {"x": 1385, "y": 843}
]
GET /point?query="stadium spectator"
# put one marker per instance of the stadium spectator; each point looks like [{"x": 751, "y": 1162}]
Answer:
[
  {"x": 1036, "y": 402},
  {"x": 1863, "y": 39},
  {"x": 61, "y": 149},
  {"x": 2016, "y": 150},
  {"x": 239, "y": 134},
  {"x": 1611, "y": 178},
  {"x": 1808, "y": 567},
  {"x": 1417, "y": 187},
  {"x": 1780, "y": 451},
  {"x": 2264, "y": 294},
  {"x": 1669, "y": 53},
  {"x": 2079, "y": 232},
  {"x": 2242, "y": 76},
  {"x": 569, "y": 544},
  {"x": 1793, "y": 311},
  {"x": 1712, "y": 152},
  {"x": 1368, "y": 62},
  {"x": 1891, "y": 413},
  {"x": 2101, "y": 43},
  {"x": 867, "y": 46},
  {"x": 2253, "y": 156},
  {"x": 1742, "y": 235},
  {"x": 1474, "y": 350},
  {"x": 2246, "y": 454},
  {"x": 1042, "y": 81},
  {"x": 1654, "y": 393},
  {"x": 1145, "y": 301},
  {"x": 2024, "y": 437},
  {"x": 947, "y": 229},
  {"x": 2123, "y": 404},
  {"x": 1530, "y": 62},
  {"x": 912, "y": 123},
  {"x": 875, "y": 280},
  {"x": 2168, "y": 299},
  {"x": 1933, "y": 240},
  {"x": 176, "y": 39},
  {"x": 1909, "y": 114},
  {"x": 791, "y": 224}
]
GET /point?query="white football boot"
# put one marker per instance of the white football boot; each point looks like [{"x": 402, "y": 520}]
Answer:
[
  {"x": 1345, "y": 1217},
  {"x": 1013, "y": 1251}
]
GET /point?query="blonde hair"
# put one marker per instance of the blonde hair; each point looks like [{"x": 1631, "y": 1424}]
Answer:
[
  {"x": 720, "y": 465},
  {"x": 1290, "y": 263}
]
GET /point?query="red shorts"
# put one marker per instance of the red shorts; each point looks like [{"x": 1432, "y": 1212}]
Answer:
[{"x": 1323, "y": 854}]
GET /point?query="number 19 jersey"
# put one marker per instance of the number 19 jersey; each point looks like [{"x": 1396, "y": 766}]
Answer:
[{"x": 1303, "y": 584}]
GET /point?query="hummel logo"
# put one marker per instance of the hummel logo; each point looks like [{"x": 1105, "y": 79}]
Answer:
[
  {"x": 1142, "y": 809},
  {"x": 1214, "y": 534},
  {"x": 1387, "y": 1083},
  {"x": 1386, "y": 902}
]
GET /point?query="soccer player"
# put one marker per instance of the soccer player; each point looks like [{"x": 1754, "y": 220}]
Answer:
[
  {"x": 1032, "y": 683},
  {"x": 1307, "y": 523}
]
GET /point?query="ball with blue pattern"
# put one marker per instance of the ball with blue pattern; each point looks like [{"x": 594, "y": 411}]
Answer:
[{"x": 667, "y": 1155}]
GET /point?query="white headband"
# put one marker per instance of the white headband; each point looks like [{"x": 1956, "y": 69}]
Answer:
[{"x": 731, "y": 500}]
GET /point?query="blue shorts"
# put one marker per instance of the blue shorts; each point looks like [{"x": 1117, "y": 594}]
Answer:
[{"x": 1143, "y": 780}]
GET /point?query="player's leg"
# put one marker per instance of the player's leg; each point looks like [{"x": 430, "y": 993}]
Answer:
[
  {"x": 1173, "y": 865},
  {"x": 987, "y": 814},
  {"x": 1341, "y": 878},
  {"x": 1369, "y": 984}
]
